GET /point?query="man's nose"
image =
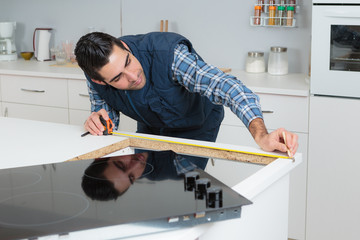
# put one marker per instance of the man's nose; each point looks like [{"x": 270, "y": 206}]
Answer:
[{"x": 131, "y": 75}]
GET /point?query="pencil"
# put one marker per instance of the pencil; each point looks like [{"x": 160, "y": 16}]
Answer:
[{"x": 288, "y": 150}]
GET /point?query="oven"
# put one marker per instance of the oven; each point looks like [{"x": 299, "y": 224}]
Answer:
[{"x": 335, "y": 58}]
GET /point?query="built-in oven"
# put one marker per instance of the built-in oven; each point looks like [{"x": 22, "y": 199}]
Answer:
[{"x": 335, "y": 58}]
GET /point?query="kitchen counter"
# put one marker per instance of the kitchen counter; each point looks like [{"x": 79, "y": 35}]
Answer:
[
  {"x": 41, "y": 69},
  {"x": 25, "y": 143},
  {"x": 296, "y": 84}
]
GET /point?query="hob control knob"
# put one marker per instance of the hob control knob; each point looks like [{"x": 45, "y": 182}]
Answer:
[{"x": 190, "y": 180}]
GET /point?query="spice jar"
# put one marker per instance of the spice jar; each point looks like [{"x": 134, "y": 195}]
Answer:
[
  {"x": 257, "y": 15},
  {"x": 272, "y": 14},
  {"x": 290, "y": 16},
  {"x": 281, "y": 16},
  {"x": 278, "y": 61},
  {"x": 255, "y": 62}
]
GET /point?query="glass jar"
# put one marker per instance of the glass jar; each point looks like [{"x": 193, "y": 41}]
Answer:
[
  {"x": 257, "y": 15},
  {"x": 272, "y": 15},
  {"x": 290, "y": 16},
  {"x": 255, "y": 62},
  {"x": 278, "y": 61}
]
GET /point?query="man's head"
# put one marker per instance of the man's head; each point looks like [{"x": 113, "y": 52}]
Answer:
[
  {"x": 108, "y": 178},
  {"x": 107, "y": 61}
]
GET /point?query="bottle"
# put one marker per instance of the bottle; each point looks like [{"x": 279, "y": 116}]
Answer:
[
  {"x": 278, "y": 61},
  {"x": 271, "y": 3},
  {"x": 257, "y": 15},
  {"x": 290, "y": 16},
  {"x": 280, "y": 16},
  {"x": 272, "y": 13},
  {"x": 255, "y": 62},
  {"x": 293, "y": 4},
  {"x": 261, "y": 3}
]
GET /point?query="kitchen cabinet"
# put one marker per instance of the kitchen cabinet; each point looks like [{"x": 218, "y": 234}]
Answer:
[
  {"x": 45, "y": 99},
  {"x": 35, "y": 98},
  {"x": 285, "y": 103},
  {"x": 333, "y": 176},
  {"x": 39, "y": 91},
  {"x": 79, "y": 103},
  {"x": 1, "y": 112}
]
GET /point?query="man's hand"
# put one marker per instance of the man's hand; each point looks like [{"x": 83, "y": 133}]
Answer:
[
  {"x": 274, "y": 140},
  {"x": 93, "y": 124}
]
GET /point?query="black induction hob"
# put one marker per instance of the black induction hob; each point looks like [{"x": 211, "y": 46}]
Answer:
[{"x": 155, "y": 188}]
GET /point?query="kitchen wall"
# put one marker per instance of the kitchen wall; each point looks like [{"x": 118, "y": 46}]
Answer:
[
  {"x": 69, "y": 19},
  {"x": 219, "y": 30}
]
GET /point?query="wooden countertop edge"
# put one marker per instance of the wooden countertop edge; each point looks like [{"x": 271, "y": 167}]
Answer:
[{"x": 178, "y": 148}]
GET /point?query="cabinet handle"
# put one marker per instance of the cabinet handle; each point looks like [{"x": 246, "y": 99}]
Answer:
[
  {"x": 32, "y": 90},
  {"x": 267, "y": 111},
  {"x": 83, "y": 95},
  {"x": 6, "y": 113}
]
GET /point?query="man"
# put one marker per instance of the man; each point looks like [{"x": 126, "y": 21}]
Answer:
[{"x": 159, "y": 80}]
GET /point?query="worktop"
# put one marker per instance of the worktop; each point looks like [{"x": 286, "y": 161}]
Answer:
[
  {"x": 40, "y": 69},
  {"x": 27, "y": 142}
]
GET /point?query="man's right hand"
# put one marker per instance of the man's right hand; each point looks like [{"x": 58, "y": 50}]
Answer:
[{"x": 93, "y": 124}]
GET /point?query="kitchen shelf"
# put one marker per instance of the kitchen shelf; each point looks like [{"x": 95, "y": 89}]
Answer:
[
  {"x": 264, "y": 18},
  {"x": 264, "y": 22}
]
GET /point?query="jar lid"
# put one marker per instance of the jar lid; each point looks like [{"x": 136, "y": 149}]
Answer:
[
  {"x": 278, "y": 49},
  {"x": 255, "y": 54},
  {"x": 290, "y": 8}
]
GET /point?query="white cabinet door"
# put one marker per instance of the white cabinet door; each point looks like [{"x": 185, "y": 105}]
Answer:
[
  {"x": 127, "y": 124},
  {"x": 289, "y": 112},
  {"x": 333, "y": 210},
  {"x": 78, "y": 117},
  {"x": 34, "y": 112},
  {"x": 34, "y": 90},
  {"x": 78, "y": 95}
]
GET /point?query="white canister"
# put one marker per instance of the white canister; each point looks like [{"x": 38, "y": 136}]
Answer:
[
  {"x": 278, "y": 61},
  {"x": 255, "y": 62}
]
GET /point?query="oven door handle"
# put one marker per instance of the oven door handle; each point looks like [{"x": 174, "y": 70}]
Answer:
[{"x": 342, "y": 14}]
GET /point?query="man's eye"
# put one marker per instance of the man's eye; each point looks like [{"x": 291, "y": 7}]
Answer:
[{"x": 117, "y": 79}]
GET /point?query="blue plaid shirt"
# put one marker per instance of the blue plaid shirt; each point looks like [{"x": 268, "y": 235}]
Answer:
[{"x": 198, "y": 76}]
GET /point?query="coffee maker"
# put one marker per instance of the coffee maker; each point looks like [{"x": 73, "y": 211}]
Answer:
[{"x": 7, "y": 41}]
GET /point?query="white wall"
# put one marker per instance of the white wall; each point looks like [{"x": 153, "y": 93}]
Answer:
[
  {"x": 219, "y": 30},
  {"x": 70, "y": 19}
]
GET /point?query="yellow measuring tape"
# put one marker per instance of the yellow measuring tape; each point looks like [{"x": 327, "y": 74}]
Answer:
[{"x": 196, "y": 145}]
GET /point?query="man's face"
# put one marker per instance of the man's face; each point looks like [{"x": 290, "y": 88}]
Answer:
[
  {"x": 123, "y": 71},
  {"x": 124, "y": 170}
]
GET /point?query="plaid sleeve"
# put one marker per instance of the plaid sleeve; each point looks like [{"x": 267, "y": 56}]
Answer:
[
  {"x": 98, "y": 103},
  {"x": 197, "y": 76}
]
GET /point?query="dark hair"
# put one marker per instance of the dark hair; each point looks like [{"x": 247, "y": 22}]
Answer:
[
  {"x": 92, "y": 52},
  {"x": 95, "y": 185}
]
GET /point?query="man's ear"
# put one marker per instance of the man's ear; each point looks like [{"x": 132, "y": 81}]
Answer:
[{"x": 98, "y": 82}]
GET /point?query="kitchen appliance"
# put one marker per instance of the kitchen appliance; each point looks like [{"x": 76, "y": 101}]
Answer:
[
  {"x": 335, "y": 58},
  {"x": 149, "y": 195},
  {"x": 41, "y": 43},
  {"x": 333, "y": 179},
  {"x": 7, "y": 41}
]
